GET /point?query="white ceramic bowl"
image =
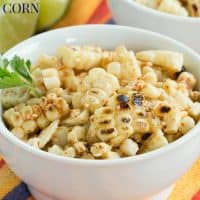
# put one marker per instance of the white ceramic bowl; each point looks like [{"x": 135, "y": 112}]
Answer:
[
  {"x": 185, "y": 29},
  {"x": 122, "y": 179}
]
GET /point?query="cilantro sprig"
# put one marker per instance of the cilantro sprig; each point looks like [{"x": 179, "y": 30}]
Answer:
[{"x": 16, "y": 73}]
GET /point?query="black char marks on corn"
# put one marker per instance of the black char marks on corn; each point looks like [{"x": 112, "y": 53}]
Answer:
[
  {"x": 165, "y": 109},
  {"x": 123, "y": 101},
  {"x": 176, "y": 75},
  {"x": 105, "y": 122},
  {"x": 126, "y": 120},
  {"x": 146, "y": 136},
  {"x": 122, "y": 98},
  {"x": 137, "y": 99},
  {"x": 108, "y": 111},
  {"x": 195, "y": 8},
  {"x": 107, "y": 131}
]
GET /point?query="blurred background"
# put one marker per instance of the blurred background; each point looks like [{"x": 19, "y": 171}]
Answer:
[{"x": 20, "y": 19}]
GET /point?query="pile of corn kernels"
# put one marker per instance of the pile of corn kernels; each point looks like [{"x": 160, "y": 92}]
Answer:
[{"x": 100, "y": 104}]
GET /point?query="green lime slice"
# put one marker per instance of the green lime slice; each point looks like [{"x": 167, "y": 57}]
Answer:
[
  {"x": 51, "y": 11},
  {"x": 15, "y": 27}
]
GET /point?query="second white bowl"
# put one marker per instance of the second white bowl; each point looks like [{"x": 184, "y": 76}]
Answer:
[{"x": 184, "y": 29}]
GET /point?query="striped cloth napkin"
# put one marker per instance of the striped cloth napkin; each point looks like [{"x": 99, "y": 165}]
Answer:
[{"x": 94, "y": 11}]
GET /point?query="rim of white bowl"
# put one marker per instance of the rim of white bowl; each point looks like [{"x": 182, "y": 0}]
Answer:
[
  {"x": 162, "y": 14},
  {"x": 43, "y": 154}
]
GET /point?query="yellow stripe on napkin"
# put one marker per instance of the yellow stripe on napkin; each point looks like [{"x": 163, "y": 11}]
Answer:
[
  {"x": 188, "y": 185},
  {"x": 8, "y": 181}
]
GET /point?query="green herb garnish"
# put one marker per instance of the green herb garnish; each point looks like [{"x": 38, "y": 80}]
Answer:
[{"x": 16, "y": 73}]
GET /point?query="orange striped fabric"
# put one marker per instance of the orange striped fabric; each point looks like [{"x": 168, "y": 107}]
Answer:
[{"x": 91, "y": 12}]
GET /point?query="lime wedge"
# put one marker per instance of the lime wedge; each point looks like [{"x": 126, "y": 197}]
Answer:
[
  {"x": 15, "y": 27},
  {"x": 50, "y": 12}
]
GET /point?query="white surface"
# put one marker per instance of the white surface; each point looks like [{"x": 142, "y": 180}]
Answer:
[
  {"x": 185, "y": 29},
  {"x": 121, "y": 179}
]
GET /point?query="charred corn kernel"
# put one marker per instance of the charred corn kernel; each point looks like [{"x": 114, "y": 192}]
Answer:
[
  {"x": 193, "y": 8},
  {"x": 19, "y": 132},
  {"x": 149, "y": 3},
  {"x": 123, "y": 123},
  {"x": 171, "y": 138},
  {"x": 194, "y": 110},
  {"x": 137, "y": 137},
  {"x": 150, "y": 78},
  {"x": 33, "y": 101},
  {"x": 16, "y": 119},
  {"x": 50, "y": 72},
  {"x": 46, "y": 134},
  {"x": 129, "y": 147},
  {"x": 141, "y": 126},
  {"x": 72, "y": 83},
  {"x": 51, "y": 82},
  {"x": 147, "y": 70},
  {"x": 18, "y": 107},
  {"x": 169, "y": 60},
  {"x": 37, "y": 111},
  {"x": 173, "y": 7},
  {"x": 38, "y": 79},
  {"x": 52, "y": 113},
  {"x": 129, "y": 66},
  {"x": 27, "y": 112},
  {"x": 187, "y": 123},
  {"x": 99, "y": 78},
  {"x": 42, "y": 121},
  {"x": 62, "y": 106},
  {"x": 100, "y": 150},
  {"x": 29, "y": 126},
  {"x": 172, "y": 121},
  {"x": 104, "y": 111},
  {"x": 91, "y": 136},
  {"x": 76, "y": 117},
  {"x": 170, "y": 86},
  {"x": 188, "y": 79},
  {"x": 77, "y": 134},
  {"x": 112, "y": 155},
  {"x": 87, "y": 156},
  {"x": 104, "y": 124},
  {"x": 51, "y": 97},
  {"x": 13, "y": 96},
  {"x": 126, "y": 129},
  {"x": 60, "y": 136},
  {"x": 150, "y": 91},
  {"x": 162, "y": 108},
  {"x": 195, "y": 96},
  {"x": 155, "y": 141},
  {"x": 80, "y": 58},
  {"x": 34, "y": 142},
  {"x": 45, "y": 61},
  {"x": 70, "y": 152},
  {"x": 80, "y": 148},
  {"x": 57, "y": 91},
  {"x": 7, "y": 114},
  {"x": 114, "y": 68},
  {"x": 154, "y": 123},
  {"x": 183, "y": 101},
  {"x": 55, "y": 149},
  {"x": 116, "y": 141},
  {"x": 107, "y": 134},
  {"x": 76, "y": 100},
  {"x": 94, "y": 98}
]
